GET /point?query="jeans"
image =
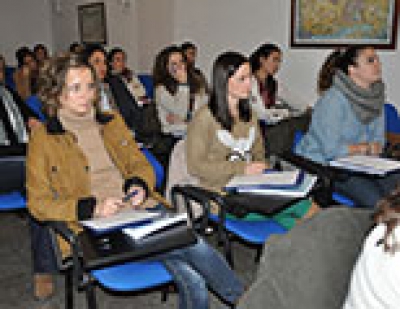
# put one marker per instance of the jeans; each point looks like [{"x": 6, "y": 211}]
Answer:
[
  {"x": 366, "y": 191},
  {"x": 43, "y": 255},
  {"x": 196, "y": 267}
]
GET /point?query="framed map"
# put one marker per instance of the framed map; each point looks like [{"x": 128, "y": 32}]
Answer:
[
  {"x": 334, "y": 23},
  {"x": 92, "y": 23}
]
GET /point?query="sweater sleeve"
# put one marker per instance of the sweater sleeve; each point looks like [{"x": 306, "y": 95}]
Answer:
[
  {"x": 324, "y": 141},
  {"x": 208, "y": 168},
  {"x": 176, "y": 105}
]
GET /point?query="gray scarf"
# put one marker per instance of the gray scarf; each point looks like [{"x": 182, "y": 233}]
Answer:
[{"x": 367, "y": 104}]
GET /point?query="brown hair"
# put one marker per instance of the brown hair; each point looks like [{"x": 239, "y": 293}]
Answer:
[
  {"x": 52, "y": 78},
  {"x": 388, "y": 213}
]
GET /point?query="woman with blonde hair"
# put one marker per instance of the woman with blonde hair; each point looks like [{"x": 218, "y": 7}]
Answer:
[{"x": 82, "y": 162}]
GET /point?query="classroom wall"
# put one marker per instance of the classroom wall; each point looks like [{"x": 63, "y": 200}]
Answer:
[
  {"x": 24, "y": 22},
  {"x": 217, "y": 25},
  {"x": 143, "y": 27},
  {"x": 121, "y": 22}
]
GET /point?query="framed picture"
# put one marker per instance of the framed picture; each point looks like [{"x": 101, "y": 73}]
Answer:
[
  {"x": 92, "y": 23},
  {"x": 335, "y": 23}
]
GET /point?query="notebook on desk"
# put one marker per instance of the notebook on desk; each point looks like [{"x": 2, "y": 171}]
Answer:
[
  {"x": 295, "y": 184},
  {"x": 367, "y": 164},
  {"x": 120, "y": 219}
]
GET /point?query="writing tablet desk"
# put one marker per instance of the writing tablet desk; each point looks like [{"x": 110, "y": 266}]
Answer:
[{"x": 104, "y": 249}]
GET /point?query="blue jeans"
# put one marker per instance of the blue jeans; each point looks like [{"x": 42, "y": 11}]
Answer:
[
  {"x": 366, "y": 191},
  {"x": 196, "y": 267},
  {"x": 43, "y": 255}
]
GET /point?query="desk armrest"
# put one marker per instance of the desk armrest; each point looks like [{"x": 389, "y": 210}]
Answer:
[{"x": 60, "y": 228}]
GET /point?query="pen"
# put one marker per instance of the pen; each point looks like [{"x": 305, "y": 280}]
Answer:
[{"x": 128, "y": 196}]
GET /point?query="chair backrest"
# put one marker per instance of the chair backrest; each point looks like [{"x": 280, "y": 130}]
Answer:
[
  {"x": 298, "y": 135},
  {"x": 147, "y": 81},
  {"x": 392, "y": 120},
  {"x": 10, "y": 77},
  {"x": 178, "y": 174},
  {"x": 35, "y": 105},
  {"x": 317, "y": 255}
]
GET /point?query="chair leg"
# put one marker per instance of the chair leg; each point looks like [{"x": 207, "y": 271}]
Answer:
[
  {"x": 69, "y": 290},
  {"x": 258, "y": 254},
  {"x": 228, "y": 249},
  {"x": 90, "y": 296},
  {"x": 164, "y": 293}
]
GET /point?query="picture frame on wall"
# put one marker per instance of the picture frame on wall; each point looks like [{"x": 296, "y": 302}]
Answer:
[
  {"x": 336, "y": 23},
  {"x": 92, "y": 23}
]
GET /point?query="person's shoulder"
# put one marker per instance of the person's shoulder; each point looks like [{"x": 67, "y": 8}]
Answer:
[
  {"x": 203, "y": 113},
  {"x": 39, "y": 132}
]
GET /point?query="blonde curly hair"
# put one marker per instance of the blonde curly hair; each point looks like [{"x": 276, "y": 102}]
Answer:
[{"x": 52, "y": 78}]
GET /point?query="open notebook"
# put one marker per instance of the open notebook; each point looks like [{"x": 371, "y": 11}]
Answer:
[
  {"x": 367, "y": 164},
  {"x": 136, "y": 223}
]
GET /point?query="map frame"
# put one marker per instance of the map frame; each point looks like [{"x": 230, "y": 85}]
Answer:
[{"x": 332, "y": 28}]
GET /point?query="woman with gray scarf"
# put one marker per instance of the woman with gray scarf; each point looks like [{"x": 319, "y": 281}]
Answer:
[{"x": 348, "y": 119}]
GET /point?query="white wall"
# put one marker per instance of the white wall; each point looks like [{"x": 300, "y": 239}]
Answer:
[
  {"x": 121, "y": 23},
  {"x": 156, "y": 30},
  {"x": 24, "y": 22},
  {"x": 217, "y": 25},
  {"x": 145, "y": 26}
]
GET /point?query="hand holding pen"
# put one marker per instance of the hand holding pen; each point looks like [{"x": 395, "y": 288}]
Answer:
[{"x": 135, "y": 197}]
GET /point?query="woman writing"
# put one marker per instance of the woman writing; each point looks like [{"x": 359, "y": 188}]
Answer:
[
  {"x": 82, "y": 162},
  {"x": 224, "y": 139}
]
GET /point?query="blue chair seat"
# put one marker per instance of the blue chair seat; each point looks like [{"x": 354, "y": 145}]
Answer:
[
  {"x": 256, "y": 232},
  {"x": 341, "y": 199},
  {"x": 12, "y": 201},
  {"x": 133, "y": 276}
]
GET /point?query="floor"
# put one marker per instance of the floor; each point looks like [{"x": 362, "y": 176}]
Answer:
[{"x": 16, "y": 274}]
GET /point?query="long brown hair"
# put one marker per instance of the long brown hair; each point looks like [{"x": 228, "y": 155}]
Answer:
[{"x": 388, "y": 213}]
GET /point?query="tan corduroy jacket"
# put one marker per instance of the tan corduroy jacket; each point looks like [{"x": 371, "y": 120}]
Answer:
[{"x": 58, "y": 182}]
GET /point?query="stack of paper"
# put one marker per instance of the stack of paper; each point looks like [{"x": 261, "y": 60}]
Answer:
[
  {"x": 120, "y": 219},
  {"x": 287, "y": 183},
  {"x": 367, "y": 164},
  {"x": 154, "y": 226}
]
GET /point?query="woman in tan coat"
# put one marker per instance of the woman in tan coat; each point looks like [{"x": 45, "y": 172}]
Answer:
[{"x": 81, "y": 164}]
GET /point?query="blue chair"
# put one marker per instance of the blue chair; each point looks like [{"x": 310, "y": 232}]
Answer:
[
  {"x": 12, "y": 201},
  {"x": 147, "y": 81},
  {"x": 392, "y": 120},
  {"x": 336, "y": 197},
  {"x": 35, "y": 105},
  {"x": 126, "y": 277},
  {"x": 254, "y": 233},
  {"x": 158, "y": 168},
  {"x": 9, "y": 78}
]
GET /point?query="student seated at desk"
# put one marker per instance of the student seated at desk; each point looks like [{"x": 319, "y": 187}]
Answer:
[
  {"x": 348, "y": 119},
  {"x": 81, "y": 163},
  {"x": 178, "y": 93},
  {"x": 224, "y": 139},
  {"x": 280, "y": 113}
]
